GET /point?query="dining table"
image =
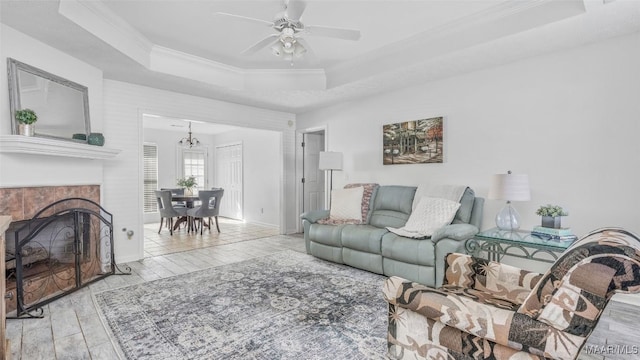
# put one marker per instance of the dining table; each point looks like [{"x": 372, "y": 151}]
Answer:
[{"x": 189, "y": 201}]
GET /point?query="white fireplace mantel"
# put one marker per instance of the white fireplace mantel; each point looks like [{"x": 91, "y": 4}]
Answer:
[{"x": 52, "y": 147}]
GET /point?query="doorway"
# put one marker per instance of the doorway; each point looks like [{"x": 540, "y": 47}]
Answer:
[{"x": 311, "y": 192}]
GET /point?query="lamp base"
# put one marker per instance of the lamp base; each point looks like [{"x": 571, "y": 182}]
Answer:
[{"x": 508, "y": 218}]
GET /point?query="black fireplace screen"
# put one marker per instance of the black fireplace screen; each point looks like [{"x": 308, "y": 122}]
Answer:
[{"x": 66, "y": 246}]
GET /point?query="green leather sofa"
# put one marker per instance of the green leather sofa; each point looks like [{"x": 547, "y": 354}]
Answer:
[{"x": 372, "y": 247}]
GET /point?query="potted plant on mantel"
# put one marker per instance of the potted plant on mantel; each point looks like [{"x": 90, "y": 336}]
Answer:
[
  {"x": 551, "y": 215},
  {"x": 26, "y": 121},
  {"x": 188, "y": 183}
]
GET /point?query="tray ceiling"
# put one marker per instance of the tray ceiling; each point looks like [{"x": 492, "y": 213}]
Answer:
[{"x": 183, "y": 46}]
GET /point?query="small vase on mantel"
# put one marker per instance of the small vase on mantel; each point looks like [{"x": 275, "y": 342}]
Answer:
[{"x": 553, "y": 222}]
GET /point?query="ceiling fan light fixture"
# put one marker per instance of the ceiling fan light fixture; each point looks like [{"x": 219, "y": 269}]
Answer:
[
  {"x": 287, "y": 40},
  {"x": 288, "y": 43},
  {"x": 288, "y": 50},
  {"x": 277, "y": 49},
  {"x": 299, "y": 50}
]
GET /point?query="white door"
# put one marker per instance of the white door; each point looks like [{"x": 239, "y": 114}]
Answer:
[
  {"x": 229, "y": 177},
  {"x": 313, "y": 185}
]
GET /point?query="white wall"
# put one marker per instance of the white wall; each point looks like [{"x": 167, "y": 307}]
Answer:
[
  {"x": 568, "y": 119},
  {"x": 34, "y": 170},
  {"x": 262, "y": 169}
]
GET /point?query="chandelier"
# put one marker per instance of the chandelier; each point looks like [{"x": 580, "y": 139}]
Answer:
[{"x": 189, "y": 140}]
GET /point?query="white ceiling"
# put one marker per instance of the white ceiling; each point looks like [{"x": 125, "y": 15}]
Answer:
[
  {"x": 183, "y": 46},
  {"x": 193, "y": 27}
]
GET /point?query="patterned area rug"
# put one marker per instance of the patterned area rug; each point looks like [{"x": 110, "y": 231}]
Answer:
[{"x": 283, "y": 306}]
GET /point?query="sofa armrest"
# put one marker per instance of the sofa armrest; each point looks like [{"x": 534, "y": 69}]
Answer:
[
  {"x": 314, "y": 215},
  {"x": 495, "y": 278},
  {"x": 499, "y": 325},
  {"x": 459, "y": 269},
  {"x": 461, "y": 232}
]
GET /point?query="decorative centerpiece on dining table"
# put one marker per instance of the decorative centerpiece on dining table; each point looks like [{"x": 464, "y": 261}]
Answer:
[
  {"x": 188, "y": 183},
  {"x": 551, "y": 215}
]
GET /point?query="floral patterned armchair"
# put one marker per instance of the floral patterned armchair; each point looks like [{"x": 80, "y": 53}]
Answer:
[{"x": 488, "y": 310}]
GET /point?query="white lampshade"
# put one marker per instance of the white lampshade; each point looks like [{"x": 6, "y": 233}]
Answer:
[
  {"x": 330, "y": 160},
  {"x": 512, "y": 187}
]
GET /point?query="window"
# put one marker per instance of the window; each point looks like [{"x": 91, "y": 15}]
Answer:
[
  {"x": 150, "y": 177},
  {"x": 194, "y": 163}
]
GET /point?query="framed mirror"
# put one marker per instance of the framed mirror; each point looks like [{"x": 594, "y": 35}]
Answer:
[{"x": 62, "y": 106}]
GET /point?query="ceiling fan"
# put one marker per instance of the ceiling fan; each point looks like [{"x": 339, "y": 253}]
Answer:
[{"x": 288, "y": 42}]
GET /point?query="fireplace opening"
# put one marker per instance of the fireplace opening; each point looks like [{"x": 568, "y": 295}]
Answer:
[{"x": 66, "y": 246}]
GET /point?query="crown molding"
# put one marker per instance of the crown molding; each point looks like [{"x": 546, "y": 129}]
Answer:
[
  {"x": 176, "y": 63},
  {"x": 98, "y": 20}
]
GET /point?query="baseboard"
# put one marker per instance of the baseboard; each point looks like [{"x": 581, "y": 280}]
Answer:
[
  {"x": 291, "y": 231},
  {"x": 263, "y": 224}
]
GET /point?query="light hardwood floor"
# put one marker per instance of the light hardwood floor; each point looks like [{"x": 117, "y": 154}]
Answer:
[{"x": 71, "y": 328}]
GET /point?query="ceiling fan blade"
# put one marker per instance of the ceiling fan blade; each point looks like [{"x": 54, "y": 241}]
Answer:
[
  {"x": 271, "y": 39},
  {"x": 294, "y": 10},
  {"x": 338, "y": 33},
  {"x": 246, "y": 18}
]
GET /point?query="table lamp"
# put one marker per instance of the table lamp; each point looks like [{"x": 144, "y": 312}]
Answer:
[{"x": 509, "y": 187}]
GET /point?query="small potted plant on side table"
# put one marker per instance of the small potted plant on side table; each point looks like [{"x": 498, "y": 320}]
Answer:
[
  {"x": 188, "y": 183},
  {"x": 26, "y": 119},
  {"x": 551, "y": 215}
]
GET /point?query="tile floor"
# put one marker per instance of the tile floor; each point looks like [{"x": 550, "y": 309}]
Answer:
[
  {"x": 71, "y": 328},
  {"x": 231, "y": 231}
]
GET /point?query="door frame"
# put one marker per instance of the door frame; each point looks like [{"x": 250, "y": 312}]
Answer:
[{"x": 300, "y": 166}]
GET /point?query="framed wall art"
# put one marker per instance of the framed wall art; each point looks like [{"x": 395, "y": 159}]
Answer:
[{"x": 413, "y": 142}]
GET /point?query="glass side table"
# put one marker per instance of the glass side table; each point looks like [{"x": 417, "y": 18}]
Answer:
[{"x": 518, "y": 243}]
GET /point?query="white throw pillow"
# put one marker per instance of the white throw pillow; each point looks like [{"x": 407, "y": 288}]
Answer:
[
  {"x": 346, "y": 203},
  {"x": 431, "y": 214}
]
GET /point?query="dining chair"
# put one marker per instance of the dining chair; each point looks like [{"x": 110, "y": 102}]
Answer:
[
  {"x": 174, "y": 192},
  {"x": 210, "y": 207},
  {"x": 167, "y": 210}
]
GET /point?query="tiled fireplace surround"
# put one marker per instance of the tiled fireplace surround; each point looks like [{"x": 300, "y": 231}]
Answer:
[{"x": 24, "y": 202}]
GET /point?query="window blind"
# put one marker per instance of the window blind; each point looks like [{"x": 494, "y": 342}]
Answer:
[{"x": 150, "y": 177}]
